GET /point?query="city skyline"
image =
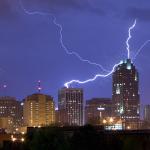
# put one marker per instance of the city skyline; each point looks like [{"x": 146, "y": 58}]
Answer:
[{"x": 26, "y": 58}]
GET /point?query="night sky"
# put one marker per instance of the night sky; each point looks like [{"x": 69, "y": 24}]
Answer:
[{"x": 96, "y": 29}]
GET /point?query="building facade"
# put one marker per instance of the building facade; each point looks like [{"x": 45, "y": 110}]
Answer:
[
  {"x": 11, "y": 112},
  {"x": 39, "y": 110},
  {"x": 97, "y": 109},
  {"x": 147, "y": 113},
  {"x": 70, "y": 106},
  {"x": 125, "y": 94}
]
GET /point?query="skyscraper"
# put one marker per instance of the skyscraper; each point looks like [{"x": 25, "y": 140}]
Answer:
[
  {"x": 125, "y": 94},
  {"x": 70, "y": 105},
  {"x": 39, "y": 110}
]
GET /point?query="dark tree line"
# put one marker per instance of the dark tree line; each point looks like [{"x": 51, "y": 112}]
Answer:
[{"x": 84, "y": 138}]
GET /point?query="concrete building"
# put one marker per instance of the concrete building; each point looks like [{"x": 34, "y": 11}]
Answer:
[
  {"x": 70, "y": 106},
  {"x": 147, "y": 113},
  {"x": 97, "y": 109},
  {"x": 39, "y": 110},
  {"x": 11, "y": 111},
  {"x": 125, "y": 96}
]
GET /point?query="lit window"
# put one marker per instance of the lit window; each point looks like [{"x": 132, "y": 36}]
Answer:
[
  {"x": 135, "y": 77},
  {"x": 118, "y": 89}
]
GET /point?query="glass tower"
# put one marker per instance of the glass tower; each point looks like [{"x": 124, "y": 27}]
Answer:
[{"x": 125, "y": 94}]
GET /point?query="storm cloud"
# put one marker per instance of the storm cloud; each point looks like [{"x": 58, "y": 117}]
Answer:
[
  {"x": 59, "y": 6},
  {"x": 7, "y": 9},
  {"x": 140, "y": 13}
]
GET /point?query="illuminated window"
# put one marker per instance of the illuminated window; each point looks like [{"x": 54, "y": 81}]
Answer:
[
  {"x": 121, "y": 110},
  {"x": 135, "y": 77},
  {"x": 118, "y": 89}
]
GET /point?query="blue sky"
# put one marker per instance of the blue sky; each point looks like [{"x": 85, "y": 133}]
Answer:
[{"x": 96, "y": 29}]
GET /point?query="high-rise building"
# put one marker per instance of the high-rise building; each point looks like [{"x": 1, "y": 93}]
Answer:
[
  {"x": 147, "y": 113},
  {"x": 125, "y": 94},
  {"x": 97, "y": 109},
  {"x": 39, "y": 110},
  {"x": 11, "y": 111},
  {"x": 70, "y": 105}
]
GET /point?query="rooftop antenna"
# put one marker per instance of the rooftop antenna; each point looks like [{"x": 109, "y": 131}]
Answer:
[{"x": 39, "y": 86}]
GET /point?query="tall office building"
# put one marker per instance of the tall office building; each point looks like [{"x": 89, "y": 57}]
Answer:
[
  {"x": 147, "y": 113},
  {"x": 125, "y": 96},
  {"x": 39, "y": 110},
  {"x": 70, "y": 105},
  {"x": 11, "y": 110},
  {"x": 97, "y": 109}
]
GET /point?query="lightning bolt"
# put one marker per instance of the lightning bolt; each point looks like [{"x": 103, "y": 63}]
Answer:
[
  {"x": 139, "y": 50},
  {"x": 92, "y": 79},
  {"x": 69, "y": 52},
  {"x": 113, "y": 69},
  {"x": 75, "y": 53},
  {"x": 72, "y": 52},
  {"x": 129, "y": 37}
]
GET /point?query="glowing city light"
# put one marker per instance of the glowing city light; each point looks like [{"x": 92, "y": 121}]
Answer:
[
  {"x": 104, "y": 121},
  {"x": 111, "y": 120},
  {"x": 4, "y": 86},
  {"x": 22, "y": 139}
]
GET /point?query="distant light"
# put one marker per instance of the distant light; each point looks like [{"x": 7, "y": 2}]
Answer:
[
  {"x": 13, "y": 139},
  {"x": 104, "y": 121},
  {"x": 111, "y": 120},
  {"x": 56, "y": 108},
  {"x": 4, "y": 86},
  {"x": 128, "y": 127},
  {"x": 22, "y": 139},
  {"x": 22, "y": 104}
]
